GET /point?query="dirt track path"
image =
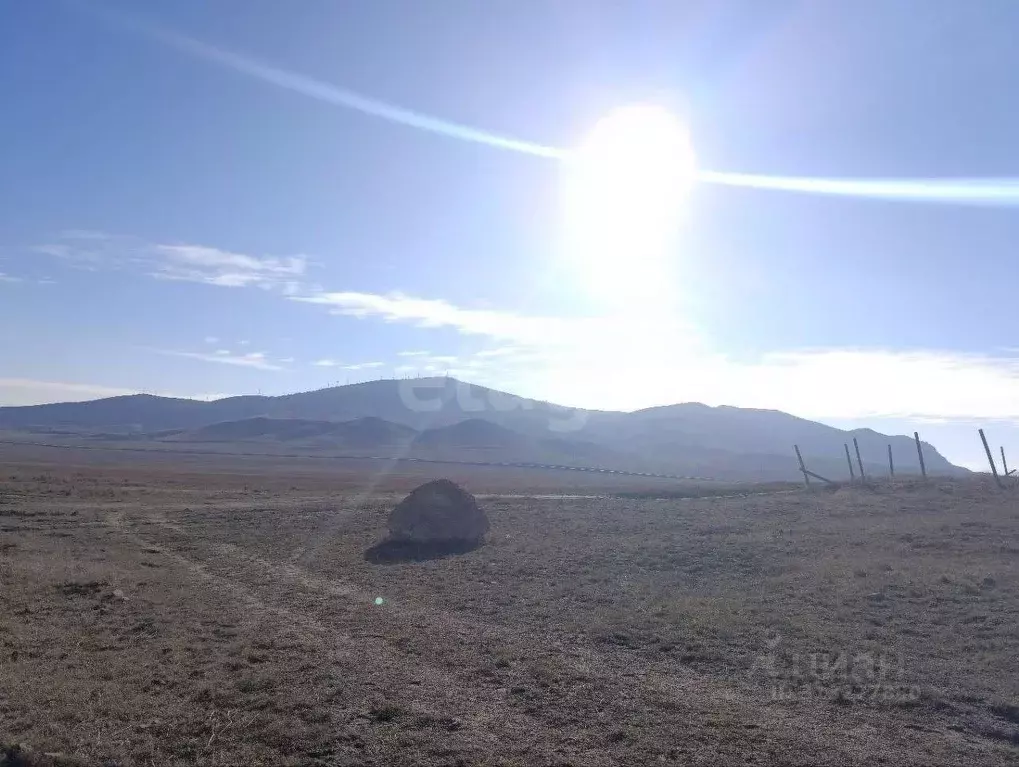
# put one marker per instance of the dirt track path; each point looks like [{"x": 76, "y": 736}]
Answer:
[{"x": 341, "y": 619}]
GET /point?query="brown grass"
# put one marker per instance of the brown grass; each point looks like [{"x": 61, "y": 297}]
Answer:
[{"x": 169, "y": 615}]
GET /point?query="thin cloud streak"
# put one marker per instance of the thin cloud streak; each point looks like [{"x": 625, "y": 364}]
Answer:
[
  {"x": 327, "y": 363},
  {"x": 990, "y": 192},
  {"x": 98, "y": 251},
  {"x": 329, "y": 93},
  {"x": 17, "y": 392},
  {"x": 545, "y": 331},
  {"x": 256, "y": 360},
  {"x": 212, "y": 266},
  {"x": 620, "y": 362}
]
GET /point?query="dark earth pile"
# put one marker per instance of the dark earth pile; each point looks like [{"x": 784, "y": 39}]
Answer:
[{"x": 438, "y": 511}]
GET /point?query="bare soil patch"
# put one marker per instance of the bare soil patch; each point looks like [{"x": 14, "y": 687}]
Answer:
[{"x": 177, "y": 615}]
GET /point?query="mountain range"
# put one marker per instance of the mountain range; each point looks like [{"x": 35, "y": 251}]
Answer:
[{"x": 448, "y": 417}]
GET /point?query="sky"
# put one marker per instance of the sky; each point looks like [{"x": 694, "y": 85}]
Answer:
[{"x": 203, "y": 199}]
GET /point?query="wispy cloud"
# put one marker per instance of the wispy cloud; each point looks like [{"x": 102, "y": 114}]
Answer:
[
  {"x": 211, "y": 340},
  {"x": 257, "y": 360},
  {"x": 820, "y": 384},
  {"x": 178, "y": 262},
  {"x": 623, "y": 361},
  {"x": 926, "y": 383},
  {"x": 633, "y": 360},
  {"x": 502, "y": 325},
  {"x": 26, "y": 391},
  {"x": 327, "y": 363},
  {"x": 197, "y": 263},
  {"x": 10, "y": 279},
  {"x": 429, "y": 313},
  {"x": 501, "y": 351}
]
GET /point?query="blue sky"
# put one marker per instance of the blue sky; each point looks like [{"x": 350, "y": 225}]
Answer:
[{"x": 169, "y": 223}]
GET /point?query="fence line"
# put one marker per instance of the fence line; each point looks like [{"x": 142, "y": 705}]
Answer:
[
  {"x": 409, "y": 459},
  {"x": 998, "y": 477}
]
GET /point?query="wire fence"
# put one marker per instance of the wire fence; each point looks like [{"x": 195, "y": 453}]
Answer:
[{"x": 1000, "y": 478}]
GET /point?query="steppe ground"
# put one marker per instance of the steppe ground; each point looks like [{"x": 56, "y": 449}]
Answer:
[{"x": 190, "y": 611}]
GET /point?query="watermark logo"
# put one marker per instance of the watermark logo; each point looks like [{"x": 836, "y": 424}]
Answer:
[
  {"x": 843, "y": 675},
  {"x": 430, "y": 395}
]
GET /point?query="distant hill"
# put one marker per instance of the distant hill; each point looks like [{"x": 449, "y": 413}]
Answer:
[
  {"x": 421, "y": 404},
  {"x": 473, "y": 432},
  {"x": 366, "y": 432},
  {"x": 449, "y": 416},
  {"x": 697, "y": 432}
]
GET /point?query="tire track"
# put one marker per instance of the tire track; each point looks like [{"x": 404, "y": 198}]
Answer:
[
  {"x": 439, "y": 683},
  {"x": 428, "y": 684}
]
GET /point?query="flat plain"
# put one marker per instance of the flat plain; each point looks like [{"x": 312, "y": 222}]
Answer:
[{"x": 199, "y": 610}]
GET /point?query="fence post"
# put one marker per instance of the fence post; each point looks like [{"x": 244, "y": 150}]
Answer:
[
  {"x": 859, "y": 461},
  {"x": 891, "y": 463},
  {"x": 919, "y": 452},
  {"x": 990, "y": 458},
  {"x": 852, "y": 474},
  {"x": 1004, "y": 462},
  {"x": 806, "y": 477}
]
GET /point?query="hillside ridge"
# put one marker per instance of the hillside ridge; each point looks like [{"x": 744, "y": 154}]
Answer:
[{"x": 688, "y": 438}]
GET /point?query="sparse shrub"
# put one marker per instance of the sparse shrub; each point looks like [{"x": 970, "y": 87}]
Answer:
[
  {"x": 254, "y": 684},
  {"x": 387, "y": 713},
  {"x": 1007, "y": 711},
  {"x": 16, "y": 756}
]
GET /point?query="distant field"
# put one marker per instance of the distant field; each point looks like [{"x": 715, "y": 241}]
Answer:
[
  {"x": 326, "y": 472},
  {"x": 174, "y": 611},
  {"x": 85, "y": 449}
]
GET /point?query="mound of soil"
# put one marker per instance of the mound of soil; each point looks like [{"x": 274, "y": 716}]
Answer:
[{"x": 438, "y": 511}]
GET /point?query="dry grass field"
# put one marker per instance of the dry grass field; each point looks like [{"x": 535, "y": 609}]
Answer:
[{"x": 169, "y": 613}]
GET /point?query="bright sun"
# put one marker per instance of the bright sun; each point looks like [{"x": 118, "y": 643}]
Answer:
[{"x": 624, "y": 193}]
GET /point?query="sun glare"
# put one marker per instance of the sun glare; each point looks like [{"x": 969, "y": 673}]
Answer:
[{"x": 624, "y": 193}]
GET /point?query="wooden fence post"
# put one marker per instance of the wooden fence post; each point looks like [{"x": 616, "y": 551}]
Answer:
[
  {"x": 859, "y": 461},
  {"x": 990, "y": 458},
  {"x": 891, "y": 463},
  {"x": 852, "y": 474},
  {"x": 806, "y": 477},
  {"x": 919, "y": 452}
]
